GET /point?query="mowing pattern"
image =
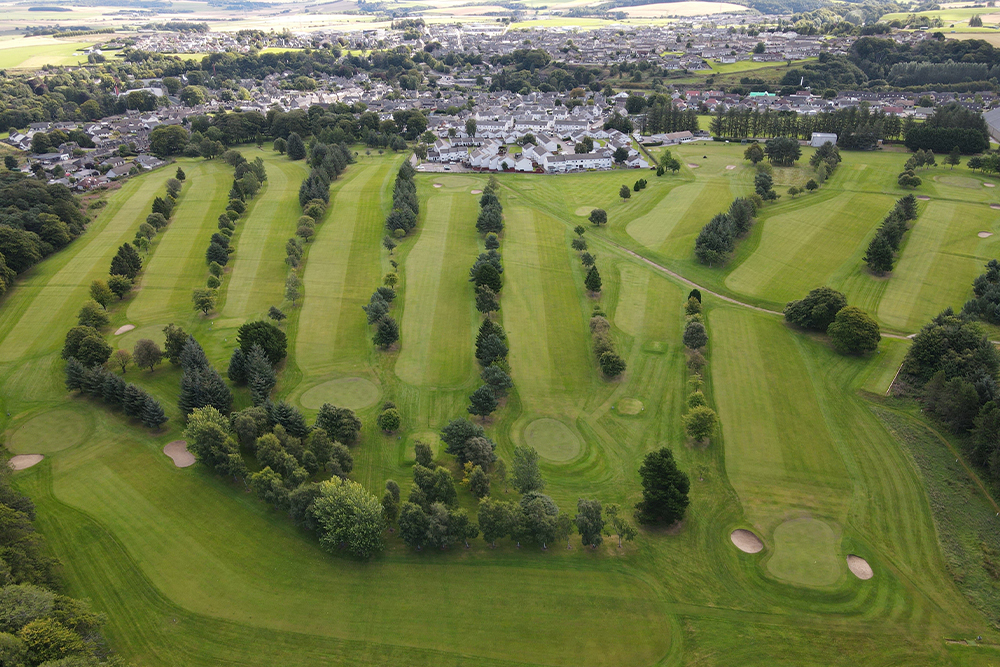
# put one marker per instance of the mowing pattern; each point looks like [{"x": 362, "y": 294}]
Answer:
[{"x": 192, "y": 570}]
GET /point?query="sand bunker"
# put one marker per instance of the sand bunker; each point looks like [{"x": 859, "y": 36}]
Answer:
[
  {"x": 476, "y": 192},
  {"x": 997, "y": 206},
  {"x": 989, "y": 185},
  {"x": 177, "y": 451},
  {"x": 553, "y": 439},
  {"x": 24, "y": 461},
  {"x": 730, "y": 166},
  {"x": 984, "y": 235},
  {"x": 437, "y": 185},
  {"x": 353, "y": 393},
  {"x": 629, "y": 406},
  {"x": 923, "y": 197},
  {"x": 859, "y": 567},
  {"x": 692, "y": 165},
  {"x": 746, "y": 541},
  {"x": 124, "y": 329}
]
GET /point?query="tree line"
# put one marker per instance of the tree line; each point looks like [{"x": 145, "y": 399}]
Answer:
[
  {"x": 405, "y": 204},
  {"x": 949, "y": 126},
  {"x": 35, "y": 220},
  {"x": 38, "y": 623},
  {"x": 882, "y": 249},
  {"x": 491, "y": 341},
  {"x": 700, "y": 420},
  {"x": 248, "y": 178},
  {"x": 855, "y": 127}
]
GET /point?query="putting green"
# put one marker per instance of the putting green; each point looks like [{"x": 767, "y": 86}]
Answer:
[
  {"x": 553, "y": 439},
  {"x": 353, "y": 393},
  {"x": 959, "y": 181},
  {"x": 49, "y": 432},
  {"x": 629, "y": 406},
  {"x": 805, "y": 552}
]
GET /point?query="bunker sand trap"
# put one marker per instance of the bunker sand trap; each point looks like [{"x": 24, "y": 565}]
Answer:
[
  {"x": 989, "y": 185},
  {"x": 984, "y": 235},
  {"x": 692, "y": 165},
  {"x": 437, "y": 185},
  {"x": 24, "y": 461},
  {"x": 859, "y": 567},
  {"x": 746, "y": 541},
  {"x": 124, "y": 329},
  {"x": 553, "y": 439},
  {"x": 177, "y": 451},
  {"x": 730, "y": 166},
  {"x": 476, "y": 192},
  {"x": 996, "y": 206},
  {"x": 923, "y": 197}
]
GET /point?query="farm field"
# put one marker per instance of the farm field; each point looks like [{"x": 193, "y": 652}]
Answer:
[
  {"x": 36, "y": 52},
  {"x": 193, "y": 570}
]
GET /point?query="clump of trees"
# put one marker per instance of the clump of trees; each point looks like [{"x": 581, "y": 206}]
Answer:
[
  {"x": 377, "y": 310},
  {"x": 782, "y": 151},
  {"x": 817, "y": 310},
  {"x": 405, "y": 205},
  {"x": 201, "y": 384},
  {"x": 883, "y": 246},
  {"x": 950, "y": 125},
  {"x": 824, "y": 161},
  {"x": 611, "y": 363},
  {"x": 667, "y": 162},
  {"x": 326, "y": 162},
  {"x": 700, "y": 420},
  {"x": 985, "y": 302},
  {"x": 97, "y": 381},
  {"x": 718, "y": 238},
  {"x": 35, "y": 220},
  {"x": 664, "y": 490}
]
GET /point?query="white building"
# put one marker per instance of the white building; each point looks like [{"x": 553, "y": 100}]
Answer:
[
  {"x": 820, "y": 138},
  {"x": 575, "y": 162}
]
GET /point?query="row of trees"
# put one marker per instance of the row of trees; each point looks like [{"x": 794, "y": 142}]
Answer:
[
  {"x": 718, "y": 238},
  {"x": 949, "y": 126},
  {"x": 491, "y": 343},
  {"x": 405, "y": 205},
  {"x": 700, "y": 421},
  {"x": 612, "y": 364},
  {"x": 883, "y": 246},
  {"x": 248, "y": 179},
  {"x": 262, "y": 346},
  {"x": 985, "y": 302},
  {"x": 855, "y": 127},
  {"x": 99, "y": 382}
]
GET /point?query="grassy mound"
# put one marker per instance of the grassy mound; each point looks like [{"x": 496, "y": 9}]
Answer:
[
  {"x": 805, "y": 552},
  {"x": 49, "y": 432},
  {"x": 553, "y": 439},
  {"x": 353, "y": 393}
]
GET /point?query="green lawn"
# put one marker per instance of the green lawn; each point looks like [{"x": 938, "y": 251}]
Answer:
[
  {"x": 192, "y": 570},
  {"x": 30, "y": 54}
]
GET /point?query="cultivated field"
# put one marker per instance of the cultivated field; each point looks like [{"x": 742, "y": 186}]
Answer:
[{"x": 193, "y": 570}]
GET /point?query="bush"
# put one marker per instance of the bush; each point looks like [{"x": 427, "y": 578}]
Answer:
[
  {"x": 853, "y": 331},
  {"x": 612, "y": 365},
  {"x": 389, "y": 420},
  {"x": 213, "y": 282}
]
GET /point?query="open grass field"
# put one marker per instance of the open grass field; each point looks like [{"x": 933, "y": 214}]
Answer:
[
  {"x": 36, "y": 52},
  {"x": 192, "y": 570}
]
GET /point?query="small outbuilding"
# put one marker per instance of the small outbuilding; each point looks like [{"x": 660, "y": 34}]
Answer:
[{"x": 820, "y": 138}]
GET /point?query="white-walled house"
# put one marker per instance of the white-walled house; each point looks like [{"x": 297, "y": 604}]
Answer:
[{"x": 575, "y": 162}]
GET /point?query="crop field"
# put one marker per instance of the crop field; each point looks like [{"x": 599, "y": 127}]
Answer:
[{"x": 193, "y": 570}]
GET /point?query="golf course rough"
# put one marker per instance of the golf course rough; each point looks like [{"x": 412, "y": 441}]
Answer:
[{"x": 801, "y": 460}]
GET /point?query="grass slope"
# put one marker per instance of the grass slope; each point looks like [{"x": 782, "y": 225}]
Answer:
[{"x": 193, "y": 570}]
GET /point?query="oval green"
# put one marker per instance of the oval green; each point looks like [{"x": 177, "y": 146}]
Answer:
[
  {"x": 354, "y": 393},
  {"x": 552, "y": 439}
]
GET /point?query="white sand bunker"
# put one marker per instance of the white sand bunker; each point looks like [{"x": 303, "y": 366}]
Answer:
[
  {"x": 746, "y": 541},
  {"x": 24, "y": 461},
  {"x": 730, "y": 166},
  {"x": 989, "y": 185},
  {"x": 177, "y": 451},
  {"x": 438, "y": 185},
  {"x": 984, "y": 235},
  {"x": 692, "y": 165},
  {"x": 923, "y": 197},
  {"x": 995, "y": 206},
  {"x": 124, "y": 329},
  {"x": 476, "y": 192},
  {"x": 859, "y": 567}
]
